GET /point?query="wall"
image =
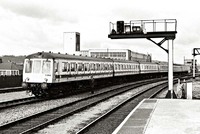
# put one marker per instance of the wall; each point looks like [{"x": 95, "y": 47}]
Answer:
[{"x": 10, "y": 81}]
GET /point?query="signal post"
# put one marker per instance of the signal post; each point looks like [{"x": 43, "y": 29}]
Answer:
[
  {"x": 196, "y": 51},
  {"x": 150, "y": 29}
]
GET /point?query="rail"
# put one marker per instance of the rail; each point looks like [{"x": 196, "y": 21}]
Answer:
[{"x": 157, "y": 25}]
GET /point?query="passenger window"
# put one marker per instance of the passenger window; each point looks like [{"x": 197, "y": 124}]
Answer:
[
  {"x": 86, "y": 66},
  {"x": 115, "y": 66},
  {"x": 80, "y": 66},
  {"x": 97, "y": 66},
  {"x": 106, "y": 67},
  {"x": 102, "y": 66},
  {"x": 73, "y": 66},
  {"x": 64, "y": 67},
  {"x": 92, "y": 66}
]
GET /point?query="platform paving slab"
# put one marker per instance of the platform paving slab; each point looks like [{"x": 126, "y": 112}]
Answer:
[{"x": 163, "y": 116}]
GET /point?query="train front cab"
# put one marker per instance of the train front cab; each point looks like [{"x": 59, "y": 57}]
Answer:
[{"x": 37, "y": 74}]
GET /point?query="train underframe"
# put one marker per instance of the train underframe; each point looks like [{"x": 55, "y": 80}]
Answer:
[{"x": 68, "y": 88}]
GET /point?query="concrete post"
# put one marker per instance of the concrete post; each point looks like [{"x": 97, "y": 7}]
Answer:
[
  {"x": 170, "y": 67},
  {"x": 193, "y": 66},
  {"x": 189, "y": 90}
]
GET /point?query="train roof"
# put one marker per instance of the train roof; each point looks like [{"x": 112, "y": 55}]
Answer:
[
  {"x": 124, "y": 61},
  {"x": 144, "y": 62},
  {"x": 51, "y": 55}
]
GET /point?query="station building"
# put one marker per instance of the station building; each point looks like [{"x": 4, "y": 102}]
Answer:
[
  {"x": 72, "y": 46},
  {"x": 9, "y": 69},
  {"x": 118, "y": 54}
]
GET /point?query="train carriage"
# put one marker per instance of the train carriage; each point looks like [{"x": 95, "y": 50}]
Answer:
[
  {"x": 148, "y": 67},
  {"x": 45, "y": 70},
  {"x": 122, "y": 67},
  {"x": 47, "y": 74}
]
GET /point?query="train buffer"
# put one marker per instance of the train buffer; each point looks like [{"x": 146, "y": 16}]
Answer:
[{"x": 162, "y": 116}]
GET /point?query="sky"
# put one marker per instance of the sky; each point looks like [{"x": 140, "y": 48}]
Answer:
[{"x": 29, "y": 26}]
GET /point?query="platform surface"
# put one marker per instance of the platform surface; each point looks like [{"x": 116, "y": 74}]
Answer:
[{"x": 162, "y": 116}]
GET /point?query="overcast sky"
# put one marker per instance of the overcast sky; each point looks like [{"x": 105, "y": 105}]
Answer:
[{"x": 28, "y": 26}]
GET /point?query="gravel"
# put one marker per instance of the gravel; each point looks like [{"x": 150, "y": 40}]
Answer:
[
  {"x": 13, "y": 96},
  {"x": 76, "y": 122},
  {"x": 19, "y": 112},
  {"x": 72, "y": 124}
]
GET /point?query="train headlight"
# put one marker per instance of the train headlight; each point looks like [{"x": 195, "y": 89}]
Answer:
[
  {"x": 27, "y": 79},
  {"x": 44, "y": 86},
  {"x": 24, "y": 85},
  {"x": 45, "y": 79}
]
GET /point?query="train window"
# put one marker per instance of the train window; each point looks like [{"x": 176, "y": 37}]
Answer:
[
  {"x": 46, "y": 67},
  {"x": 12, "y": 72},
  {"x": 125, "y": 67},
  {"x": 80, "y": 66},
  {"x": 65, "y": 66},
  {"x": 68, "y": 67},
  {"x": 36, "y": 66},
  {"x": 28, "y": 66},
  {"x": 16, "y": 72},
  {"x": 110, "y": 67},
  {"x": 98, "y": 66},
  {"x": 4, "y": 72},
  {"x": 106, "y": 67},
  {"x": 73, "y": 66},
  {"x": 92, "y": 67},
  {"x": 86, "y": 66},
  {"x": 115, "y": 66},
  {"x": 102, "y": 66}
]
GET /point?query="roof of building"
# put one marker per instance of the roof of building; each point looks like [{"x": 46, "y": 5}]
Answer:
[
  {"x": 9, "y": 66},
  {"x": 15, "y": 59}
]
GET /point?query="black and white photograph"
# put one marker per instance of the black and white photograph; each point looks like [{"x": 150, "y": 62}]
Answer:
[{"x": 99, "y": 67}]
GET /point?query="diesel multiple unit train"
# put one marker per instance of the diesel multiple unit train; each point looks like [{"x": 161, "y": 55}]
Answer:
[{"x": 48, "y": 74}]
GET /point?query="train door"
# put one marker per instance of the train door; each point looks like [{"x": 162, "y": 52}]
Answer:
[{"x": 55, "y": 70}]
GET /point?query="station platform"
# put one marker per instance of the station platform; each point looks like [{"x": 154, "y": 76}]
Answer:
[{"x": 162, "y": 116}]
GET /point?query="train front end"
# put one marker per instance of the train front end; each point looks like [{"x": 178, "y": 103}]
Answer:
[{"x": 37, "y": 75}]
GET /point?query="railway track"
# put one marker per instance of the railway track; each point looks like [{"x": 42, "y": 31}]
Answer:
[
  {"x": 40, "y": 120},
  {"x": 109, "y": 121},
  {"x": 11, "y": 89},
  {"x": 7, "y": 104},
  {"x": 119, "y": 110}
]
